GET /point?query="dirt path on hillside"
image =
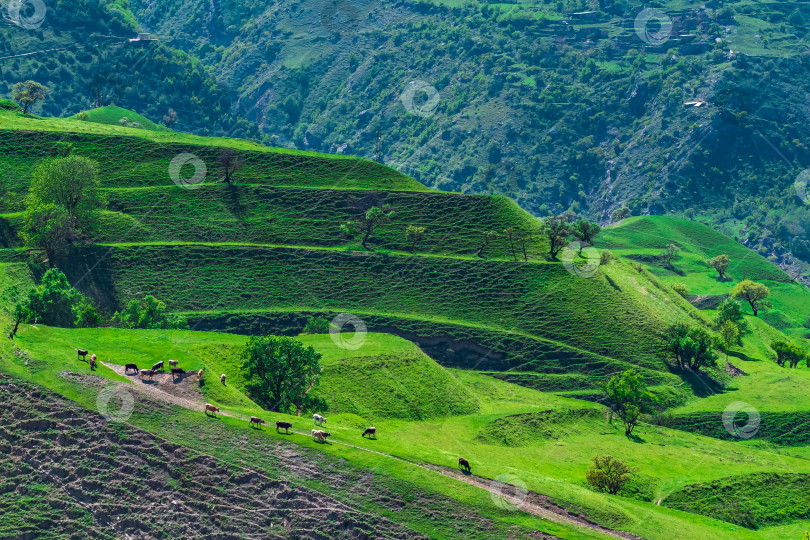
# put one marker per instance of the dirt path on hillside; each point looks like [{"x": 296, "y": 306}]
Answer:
[
  {"x": 183, "y": 394},
  {"x": 164, "y": 387}
]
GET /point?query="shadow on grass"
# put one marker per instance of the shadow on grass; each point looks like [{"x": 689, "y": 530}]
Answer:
[
  {"x": 702, "y": 384},
  {"x": 636, "y": 439},
  {"x": 742, "y": 356}
]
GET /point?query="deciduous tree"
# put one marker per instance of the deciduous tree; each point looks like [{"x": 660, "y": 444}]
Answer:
[
  {"x": 229, "y": 162},
  {"x": 414, "y": 235},
  {"x": 585, "y": 232},
  {"x": 753, "y": 293},
  {"x": 629, "y": 398},
  {"x": 692, "y": 347},
  {"x": 279, "y": 371},
  {"x": 558, "y": 232},
  {"x": 669, "y": 254},
  {"x": 73, "y": 184},
  {"x": 720, "y": 263},
  {"x": 729, "y": 336},
  {"x": 28, "y": 93}
]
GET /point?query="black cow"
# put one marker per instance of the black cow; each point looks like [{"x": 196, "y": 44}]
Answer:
[{"x": 283, "y": 425}]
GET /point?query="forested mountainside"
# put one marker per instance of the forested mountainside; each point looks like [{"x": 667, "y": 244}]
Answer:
[{"x": 558, "y": 105}]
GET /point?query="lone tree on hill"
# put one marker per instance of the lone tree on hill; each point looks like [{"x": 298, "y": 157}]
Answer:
[
  {"x": 170, "y": 118},
  {"x": 511, "y": 235},
  {"x": 414, "y": 235},
  {"x": 63, "y": 201},
  {"x": 731, "y": 310},
  {"x": 620, "y": 214},
  {"x": 72, "y": 183},
  {"x": 628, "y": 397},
  {"x": 280, "y": 372},
  {"x": 585, "y": 231},
  {"x": 729, "y": 336},
  {"x": 230, "y": 162},
  {"x": 669, "y": 254},
  {"x": 720, "y": 263},
  {"x": 608, "y": 474},
  {"x": 522, "y": 238},
  {"x": 373, "y": 218},
  {"x": 753, "y": 293},
  {"x": 489, "y": 236},
  {"x": 28, "y": 93},
  {"x": 558, "y": 232}
]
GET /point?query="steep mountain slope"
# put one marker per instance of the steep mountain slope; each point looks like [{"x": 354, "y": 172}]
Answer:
[{"x": 553, "y": 107}]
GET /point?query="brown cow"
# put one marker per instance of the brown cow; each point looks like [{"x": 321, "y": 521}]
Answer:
[
  {"x": 320, "y": 436},
  {"x": 93, "y": 363},
  {"x": 199, "y": 373},
  {"x": 177, "y": 372},
  {"x": 210, "y": 408},
  {"x": 147, "y": 373},
  {"x": 255, "y": 420},
  {"x": 173, "y": 363},
  {"x": 464, "y": 464}
]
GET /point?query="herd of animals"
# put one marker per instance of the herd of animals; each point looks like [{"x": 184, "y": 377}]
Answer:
[{"x": 317, "y": 434}]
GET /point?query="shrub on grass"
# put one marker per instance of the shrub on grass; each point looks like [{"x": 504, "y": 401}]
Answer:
[
  {"x": 608, "y": 474},
  {"x": 788, "y": 353},
  {"x": 605, "y": 257},
  {"x": 149, "y": 313},
  {"x": 316, "y": 325}
]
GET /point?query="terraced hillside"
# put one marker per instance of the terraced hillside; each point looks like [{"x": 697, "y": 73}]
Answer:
[
  {"x": 470, "y": 352},
  {"x": 226, "y": 251}
]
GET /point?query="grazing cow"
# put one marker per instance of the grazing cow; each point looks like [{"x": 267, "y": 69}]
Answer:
[
  {"x": 177, "y": 372},
  {"x": 199, "y": 373},
  {"x": 372, "y": 431},
  {"x": 174, "y": 363},
  {"x": 319, "y": 420},
  {"x": 222, "y": 378},
  {"x": 320, "y": 436},
  {"x": 257, "y": 421},
  {"x": 464, "y": 464},
  {"x": 210, "y": 408},
  {"x": 158, "y": 366},
  {"x": 283, "y": 425},
  {"x": 131, "y": 366},
  {"x": 82, "y": 354},
  {"x": 93, "y": 363},
  {"x": 147, "y": 373}
]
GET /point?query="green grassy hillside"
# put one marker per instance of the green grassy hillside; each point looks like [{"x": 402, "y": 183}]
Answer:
[
  {"x": 618, "y": 311},
  {"x": 112, "y": 116},
  {"x": 466, "y": 356}
]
